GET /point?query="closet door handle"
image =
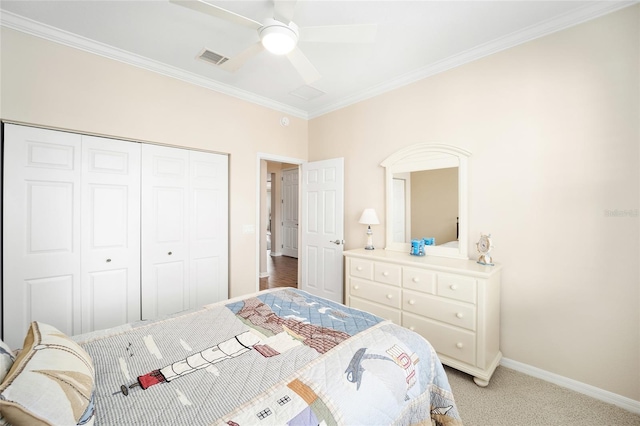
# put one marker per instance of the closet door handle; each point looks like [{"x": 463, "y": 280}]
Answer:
[
  {"x": 170, "y": 253},
  {"x": 108, "y": 260}
]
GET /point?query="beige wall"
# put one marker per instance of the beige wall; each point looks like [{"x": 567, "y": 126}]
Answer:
[
  {"x": 553, "y": 129},
  {"x": 48, "y": 84}
]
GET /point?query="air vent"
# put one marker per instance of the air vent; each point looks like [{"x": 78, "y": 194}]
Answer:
[
  {"x": 213, "y": 57},
  {"x": 307, "y": 92}
]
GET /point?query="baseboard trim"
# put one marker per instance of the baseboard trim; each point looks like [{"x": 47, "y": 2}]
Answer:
[
  {"x": 583, "y": 388},
  {"x": 264, "y": 274},
  {"x": 275, "y": 254}
]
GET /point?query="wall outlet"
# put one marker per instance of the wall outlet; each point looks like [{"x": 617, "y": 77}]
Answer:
[{"x": 248, "y": 229}]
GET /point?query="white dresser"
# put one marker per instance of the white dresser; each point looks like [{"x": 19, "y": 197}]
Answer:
[{"x": 453, "y": 303}]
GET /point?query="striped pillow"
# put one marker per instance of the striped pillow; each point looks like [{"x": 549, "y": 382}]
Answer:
[{"x": 50, "y": 382}]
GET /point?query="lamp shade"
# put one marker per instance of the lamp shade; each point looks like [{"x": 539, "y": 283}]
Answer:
[{"x": 369, "y": 217}]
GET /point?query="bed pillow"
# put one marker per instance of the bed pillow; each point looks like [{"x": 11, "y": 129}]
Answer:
[
  {"x": 6, "y": 359},
  {"x": 51, "y": 381}
]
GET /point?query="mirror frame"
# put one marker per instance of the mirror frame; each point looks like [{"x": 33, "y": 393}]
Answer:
[{"x": 426, "y": 156}]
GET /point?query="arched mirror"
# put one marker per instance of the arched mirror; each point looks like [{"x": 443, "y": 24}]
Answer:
[{"x": 426, "y": 196}]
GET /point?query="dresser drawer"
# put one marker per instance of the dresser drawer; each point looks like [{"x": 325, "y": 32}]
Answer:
[
  {"x": 438, "y": 308},
  {"x": 361, "y": 268},
  {"x": 419, "y": 280},
  {"x": 456, "y": 287},
  {"x": 387, "y": 273},
  {"x": 446, "y": 339},
  {"x": 381, "y": 311},
  {"x": 375, "y": 292}
]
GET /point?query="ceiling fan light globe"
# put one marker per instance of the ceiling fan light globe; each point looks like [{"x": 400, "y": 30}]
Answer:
[{"x": 278, "y": 38}]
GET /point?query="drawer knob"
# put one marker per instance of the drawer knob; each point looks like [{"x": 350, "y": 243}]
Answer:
[
  {"x": 453, "y": 287},
  {"x": 412, "y": 302},
  {"x": 359, "y": 268},
  {"x": 459, "y": 345},
  {"x": 459, "y": 315},
  {"x": 389, "y": 296},
  {"x": 356, "y": 287},
  {"x": 385, "y": 274},
  {"x": 415, "y": 279}
]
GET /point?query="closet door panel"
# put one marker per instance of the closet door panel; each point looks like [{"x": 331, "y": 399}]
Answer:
[
  {"x": 209, "y": 224},
  {"x": 41, "y": 231},
  {"x": 110, "y": 232},
  {"x": 165, "y": 183},
  {"x": 170, "y": 294},
  {"x": 39, "y": 294},
  {"x": 108, "y": 294}
]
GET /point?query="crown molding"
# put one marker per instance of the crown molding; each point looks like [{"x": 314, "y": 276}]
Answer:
[
  {"x": 584, "y": 14},
  {"x": 28, "y": 26}
]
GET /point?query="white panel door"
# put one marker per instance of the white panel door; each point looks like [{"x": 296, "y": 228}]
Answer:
[
  {"x": 322, "y": 213},
  {"x": 290, "y": 212},
  {"x": 110, "y": 232},
  {"x": 165, "y": 246},
  {"x": 208, "y": 227},
  {"x": 41, "y": 226}
]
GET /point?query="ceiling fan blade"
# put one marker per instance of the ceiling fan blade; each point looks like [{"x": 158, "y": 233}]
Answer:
[
  {"x": 305, "y": 68},
  {"x": 218, "y": 12},
  {"x": 283, "y": 10},
  {"x": 359, "y": 33},
  {"x": 235, "y": 63}
]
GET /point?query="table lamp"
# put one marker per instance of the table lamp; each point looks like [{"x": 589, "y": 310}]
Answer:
[{"x": 369, "y": 218}]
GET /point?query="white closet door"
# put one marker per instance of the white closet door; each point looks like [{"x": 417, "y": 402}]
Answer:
[
  {"x": 165, "y": 273},
  {"x": 41, "y": 231},
  {"x": 110, "y": 232},
  {"x": 208, "y": 227}
]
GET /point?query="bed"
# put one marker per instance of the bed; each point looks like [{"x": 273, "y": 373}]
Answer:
[{"x": 276, "y": 357}]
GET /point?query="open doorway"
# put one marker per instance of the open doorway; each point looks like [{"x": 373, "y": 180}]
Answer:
[{"x": 278, "y": 223}]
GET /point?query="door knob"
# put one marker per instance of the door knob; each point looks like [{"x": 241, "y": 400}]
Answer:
[
  {"x": 337, "y": 242},
  {"x": 170, "y": 253}
]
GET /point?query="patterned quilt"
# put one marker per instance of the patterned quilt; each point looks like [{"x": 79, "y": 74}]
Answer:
[{"x": 272, "y": 358}]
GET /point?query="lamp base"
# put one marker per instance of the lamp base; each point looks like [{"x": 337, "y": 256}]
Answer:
[{"x": 369, "y": 245}]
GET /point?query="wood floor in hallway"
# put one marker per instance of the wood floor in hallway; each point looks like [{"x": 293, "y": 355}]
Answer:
[{"x": 283, "y": 272}]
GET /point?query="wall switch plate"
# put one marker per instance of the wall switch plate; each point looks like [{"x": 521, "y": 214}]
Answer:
[{"x": 248, "y": 229}]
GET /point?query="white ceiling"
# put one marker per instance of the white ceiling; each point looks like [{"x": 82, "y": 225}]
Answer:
[{"x": 414, "y": 39}]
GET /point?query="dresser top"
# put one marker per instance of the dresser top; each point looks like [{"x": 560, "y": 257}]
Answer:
[{"x": 444, "y": 264}]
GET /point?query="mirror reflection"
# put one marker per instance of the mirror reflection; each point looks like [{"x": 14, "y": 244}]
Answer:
[
  {"x": 427, "y": 191},
  {"x": 425, "y": 205}
]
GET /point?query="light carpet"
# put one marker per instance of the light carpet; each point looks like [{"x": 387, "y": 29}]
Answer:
[{"x": 516, "y": 399}]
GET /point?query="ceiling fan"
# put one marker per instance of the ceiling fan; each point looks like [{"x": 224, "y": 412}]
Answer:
[{"x": 280, "y": 35}]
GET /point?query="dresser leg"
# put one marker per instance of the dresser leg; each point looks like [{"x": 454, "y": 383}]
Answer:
[{"x": 480, "y": 382}]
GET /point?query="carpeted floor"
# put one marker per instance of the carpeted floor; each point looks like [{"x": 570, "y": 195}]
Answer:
[{"x": 516, "y": 399}]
